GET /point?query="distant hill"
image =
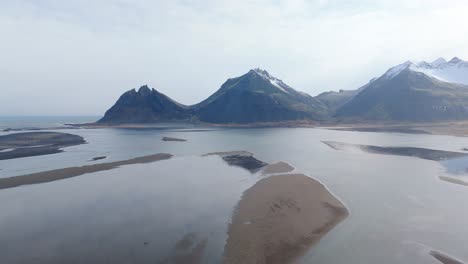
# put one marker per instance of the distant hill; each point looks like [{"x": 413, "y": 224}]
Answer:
[
  {"x": 334, "y": 100},
  {"x": 145, "y": 106},
  {"x": 258, "y": 97},
  {"x": 413, "y": 92}
]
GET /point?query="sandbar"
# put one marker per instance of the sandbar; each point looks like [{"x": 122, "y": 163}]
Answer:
[
  {"x": 60, "y": 174},
  {"x": 279, "y": 219}
]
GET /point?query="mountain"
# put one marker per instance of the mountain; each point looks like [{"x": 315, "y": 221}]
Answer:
[
  {"x": 417, "y": 92},
  {"x": 453, "y": 71},
  {"x": 334, "y": 100},
  {"x": 258, "y": 97},
  {"x": 145, "y": 106}
]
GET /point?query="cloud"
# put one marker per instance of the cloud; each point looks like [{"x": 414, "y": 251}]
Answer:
[{"x": 77, "y": 57}]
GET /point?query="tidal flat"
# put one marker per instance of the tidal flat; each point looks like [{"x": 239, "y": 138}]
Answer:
[{"x": 194, "y": 201}]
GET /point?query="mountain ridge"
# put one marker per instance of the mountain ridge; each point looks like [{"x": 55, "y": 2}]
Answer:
[{"x": 409, "y": 91}]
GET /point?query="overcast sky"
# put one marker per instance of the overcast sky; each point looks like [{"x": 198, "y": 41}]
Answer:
[{"x": 76, "y": 57}]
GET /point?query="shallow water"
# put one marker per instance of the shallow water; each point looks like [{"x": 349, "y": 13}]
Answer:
[{"x": 399, "y": 208}]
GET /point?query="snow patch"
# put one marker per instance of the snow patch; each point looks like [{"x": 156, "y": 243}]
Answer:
[
  {"x": 397, "y": 69},
  {"x": 273, "y": 80},
  {"x": 453, "y": 71}
]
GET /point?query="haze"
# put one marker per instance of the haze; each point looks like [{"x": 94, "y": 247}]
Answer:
[{"x": 77, "y": 57}]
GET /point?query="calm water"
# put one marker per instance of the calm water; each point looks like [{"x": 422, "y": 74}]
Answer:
[
  {"x": 16, "y": 122},
  {"x": 137, "y": 213}
]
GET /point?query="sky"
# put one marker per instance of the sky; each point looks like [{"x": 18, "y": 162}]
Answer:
[{"x": 76, "y": 57}]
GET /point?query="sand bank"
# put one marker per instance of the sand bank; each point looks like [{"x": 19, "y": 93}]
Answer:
[
  {"x": 454, "y": 128},
  {"x": 279, "y": 218},
  {"x": 60, "y": 174},
  {"x": 443, "y": 258},
  {"x": 278, "y": 167},
  {"x": 173, "y": 139},
  {"x": 422, "y": 153},
  {"x": 36, "y": 143},
  {"x": 454, "y": 180},
  {"x": 381, "y": 129}
]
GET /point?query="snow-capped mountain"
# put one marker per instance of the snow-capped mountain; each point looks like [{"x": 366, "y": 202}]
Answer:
[
  {"x": 453, "y": 71},
  {"x": 273, "y": 80},
  {"x": 258, "y": 96},
  {"x": 413, "y": 92}
]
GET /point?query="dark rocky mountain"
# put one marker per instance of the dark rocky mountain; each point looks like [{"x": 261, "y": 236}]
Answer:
[
  {"x": 416, "y": 92},
  {"x": 145, "y": 106},
  {"x": 258, "y": 97},
  {"x": 405, "y": 94}
]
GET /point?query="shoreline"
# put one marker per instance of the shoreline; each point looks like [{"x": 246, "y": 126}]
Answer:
[{"x": 457, "y": 128}]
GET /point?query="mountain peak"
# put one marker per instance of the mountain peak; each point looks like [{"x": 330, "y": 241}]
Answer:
[
  {"x": 144, "y": 89},
  {"x": 392, "y": 72},
  {"x": 273, "y": 80},
  {"x": 455, "y": 60},
  {"x": 262, "y": 73},
  {"x": 453, "y": 71},
  {"x": 438, "y": 62}
]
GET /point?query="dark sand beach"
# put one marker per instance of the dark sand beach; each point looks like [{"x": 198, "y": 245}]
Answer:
[
  {"x": 29, "y": 144},
  {"x": 241, "y": 159},
  {"x": 98, "y": 158},
  {"x": 279, "y": 218},
  {"x": 173, "y": 139},
  {"x": 60, "y": 174}
]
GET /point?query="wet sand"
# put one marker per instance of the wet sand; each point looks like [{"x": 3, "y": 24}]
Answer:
[
  {"x": 382, "y": 129},
  {"x": 60, "y": 174},
  {"x": 173, "y": 139},
  {"x": 29, "y": 144},
  {"x": 453, "y": 180},
  {"x": 422, "y": 153},
  {"x": 280, "y": 218},
  {"x": 98, "y": 158},
  {"x": 241, "y": 159},
  {"x": 188, "y": 250},
  {"x": 453, "y": 128},
  {"x": 443, "y": 258},
  {"x": 278, "y": 167}
]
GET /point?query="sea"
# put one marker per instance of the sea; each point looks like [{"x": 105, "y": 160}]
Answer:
[{"x": 399, "y": 208}]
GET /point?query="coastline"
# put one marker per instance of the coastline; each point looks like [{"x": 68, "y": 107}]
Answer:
[{"x": 453, "y": 128}]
